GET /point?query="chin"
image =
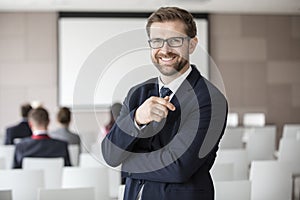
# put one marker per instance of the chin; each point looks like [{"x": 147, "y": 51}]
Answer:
[{"x": 167, "y": 71}]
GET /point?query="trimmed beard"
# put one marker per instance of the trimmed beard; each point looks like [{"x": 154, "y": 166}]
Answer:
[{"x": 177, "y": 67}]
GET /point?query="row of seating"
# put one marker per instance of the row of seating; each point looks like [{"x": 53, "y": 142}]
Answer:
[
  {"x": 268, "y": 180},
  {"x": 49, "y": 173}
]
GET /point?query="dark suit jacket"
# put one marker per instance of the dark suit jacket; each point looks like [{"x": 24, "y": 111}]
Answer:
[
  {"x": 20, "y": 130},
  {"x": 171, "y": 159},
  {"x": 45, "y": 148}
]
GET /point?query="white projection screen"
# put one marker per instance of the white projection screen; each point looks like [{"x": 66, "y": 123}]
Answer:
[{"x": 102, "y": 55}]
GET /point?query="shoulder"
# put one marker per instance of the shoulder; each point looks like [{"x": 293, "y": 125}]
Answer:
[{"x": 144, "y": 85}]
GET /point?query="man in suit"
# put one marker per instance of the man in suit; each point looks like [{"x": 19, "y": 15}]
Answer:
[
  {"x": 40, "y": 144},
  {"x": 63, "y": 133},
  {"x": 167, "y": 134},
  {"x": 20, "y": 130}
]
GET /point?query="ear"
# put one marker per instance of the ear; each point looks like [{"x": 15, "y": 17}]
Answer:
[
  {"x": 193, "y": 44},
  {"x": 30, "y": 124}
]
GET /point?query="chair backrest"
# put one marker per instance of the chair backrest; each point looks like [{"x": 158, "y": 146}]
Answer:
[
  {"x": 239, "y": 158},
  {"x": 261, "y": 143},
  {"x": 96, "y": 177},
  {"x": 87, "y": 160},
  {"x": 254, "y": 119},
  {"x": 64, "y": 194},
  {"x": 232, "y": 138},
  {"x": 232, "y": 119},
  {"x": 270, "y": 180},
  {"x": 2, "y": 163},
  {"x": 289, "y": 150},
  {"x": 74, "y": 154},
  {"x": 291, "y": 131},
  {"x": 121, "y": 192},
  {"x": 23, "y": 183},
  {"x": 7, "y": 151},
  {"x": 222, "y": 172},
  {"x": 231, "y": 190},
  {"x": 52, "y": 168},
  {"x": 5, "y": 194},
  {"x": 114, "y": 180}
]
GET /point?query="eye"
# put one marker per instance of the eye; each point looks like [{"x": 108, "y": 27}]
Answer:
[{"x": 175, "y": 41}]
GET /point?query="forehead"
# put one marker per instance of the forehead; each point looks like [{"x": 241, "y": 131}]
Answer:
[{"x": 167, "y": 29}]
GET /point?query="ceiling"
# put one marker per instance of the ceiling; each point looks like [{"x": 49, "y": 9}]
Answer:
[{"x": 286, "y": 7}]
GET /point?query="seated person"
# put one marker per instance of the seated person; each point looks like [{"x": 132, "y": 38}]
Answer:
[
  {"x": 63, "y": 133},
  {"x": 20, "y": 130},
  {"x": 40, "y": 144}
]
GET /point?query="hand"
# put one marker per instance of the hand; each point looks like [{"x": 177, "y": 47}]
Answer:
[{"x": 153, "y": 109}]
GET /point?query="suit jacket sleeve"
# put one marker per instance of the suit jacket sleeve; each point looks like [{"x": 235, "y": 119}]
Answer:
[{"x": 8, "y": 138}]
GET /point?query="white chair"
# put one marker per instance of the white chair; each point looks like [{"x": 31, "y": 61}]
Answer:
[
  {"x": 233, "y": 190},
  {"x": 5, "y": 194},
  {"x": 87, "y": 160},
  {"x": 52, "y": 168},
  {"x": 261, "y": 143},
  {"x": 74, "y": 154},
  {"x": 232, "y": 138},
  {"x": 232, "y": 120},
  {"x": 96, "y": 177},
  {"x": 114, "y": 174},
  {"x": 289, "y": 150},
  {"x": 222, "y": 172},
  {"x": 70, "y": 193},
  {"x": 239, "y": 158},
  {"x": 2, "y": 163},
  {"x": 254, "y": 119},
  {"x": 291, "y": 131},
  {"x": 114, "y": 180},
  {"x": 121, "y": 192},
  {"x": 270, "y": 180},
  {"x": 7, "y": 151},
  {"x": 23, "y": 183}
]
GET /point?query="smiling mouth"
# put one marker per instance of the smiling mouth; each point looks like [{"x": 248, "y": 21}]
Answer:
[{"x": 166, "y": 59}]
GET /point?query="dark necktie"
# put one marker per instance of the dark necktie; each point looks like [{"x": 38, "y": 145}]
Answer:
[{"x": 164, "y": 91}]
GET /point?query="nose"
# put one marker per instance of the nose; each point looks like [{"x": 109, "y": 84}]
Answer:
[{"x": 165, "y": 48}]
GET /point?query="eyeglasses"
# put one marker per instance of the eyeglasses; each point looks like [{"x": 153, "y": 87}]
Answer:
[{"x": 157, "y": 43}]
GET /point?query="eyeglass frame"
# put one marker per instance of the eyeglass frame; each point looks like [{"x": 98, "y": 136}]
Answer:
[{"x": 167, "y": 41}]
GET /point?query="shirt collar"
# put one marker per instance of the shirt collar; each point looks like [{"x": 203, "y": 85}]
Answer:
[
  {"x": 39, "y": 132},
  {"x": 175, "y": 84}
]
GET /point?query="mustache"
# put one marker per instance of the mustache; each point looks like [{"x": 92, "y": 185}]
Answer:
[{"x": 169, "y": 54}]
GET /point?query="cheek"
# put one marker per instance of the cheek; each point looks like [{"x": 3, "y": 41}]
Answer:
[{"x": 154, "y": 53}]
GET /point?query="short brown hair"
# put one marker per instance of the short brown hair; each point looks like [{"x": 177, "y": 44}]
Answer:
[
  {"x": 64, "y": 115},
  {"x": 39, "y": 116},
  {"x": 25, "y": 108},
  {"x": 165, "y": 14}
]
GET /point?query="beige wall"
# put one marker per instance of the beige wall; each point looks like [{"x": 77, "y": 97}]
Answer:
[
  {"x": 258, "y": 56},
  {"x": 27, "y": 62},
  {"x": 28, "y": 69}
]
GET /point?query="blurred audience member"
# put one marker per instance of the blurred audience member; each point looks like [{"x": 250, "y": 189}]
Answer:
[
  {"x": 40, "y": 144},
  {"x": 20, "y": 130},
  {"x": 63, "y": 133},
  {"x": 114, "y": 113}
]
